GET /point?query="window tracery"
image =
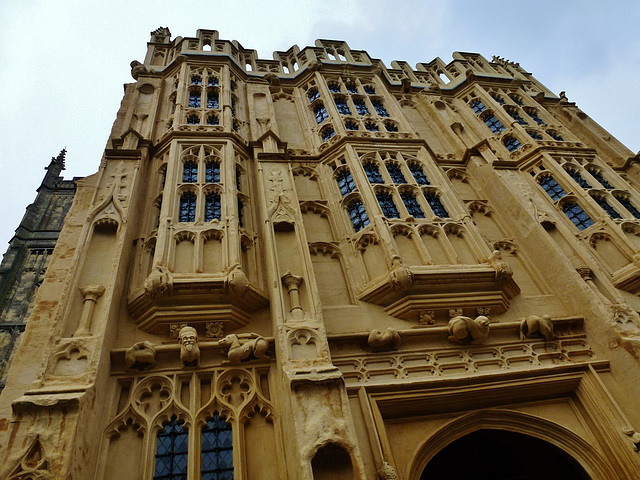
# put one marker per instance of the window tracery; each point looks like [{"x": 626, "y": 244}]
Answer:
[
  {"x": 387, "y": 205},
  {"x": 216, "y": 451},
  {"x": 626, "y": 203},
  {"x": 171, "y": 451},
  {"x": 357, "y": 215},
  {"x": 597, "y": 174},
  {"x": 577, "y": 215},
  {"x": 436, "y": 205},
  {"x": 345, "y": 181}
]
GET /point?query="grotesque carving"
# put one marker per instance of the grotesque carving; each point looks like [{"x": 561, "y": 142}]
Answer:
[
  {"x": 389, "y": 339},
  {"x": 400, "y": 277},
  {"x": 634, "y": 437},
  {"x": 242, "y": 346},
  {"x": 159, "y": 282},
  {"x": 387, "y": 472},
  {"x": 237, "y": 280},
  {"x": 467, "y": 330},
  {"x": 137, "y": 69},
  {"x": 427, "y": 317},
  {"x": 536, "y": 326},
  {"x": 141, "y": 355},
  {"x": 503, "y": 270},
  {"x": 189, "y": 349}
]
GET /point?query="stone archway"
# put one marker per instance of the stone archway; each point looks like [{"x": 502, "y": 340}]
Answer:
[{"x": 489, "y": 454}]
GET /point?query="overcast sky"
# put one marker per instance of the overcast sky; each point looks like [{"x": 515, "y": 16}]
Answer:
[{"x": 63, "y": 62}]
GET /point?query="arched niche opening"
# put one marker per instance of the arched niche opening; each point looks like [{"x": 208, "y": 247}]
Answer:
[
  {"x": 332, "y": 462},
  {"x": 493, "y": 454}
]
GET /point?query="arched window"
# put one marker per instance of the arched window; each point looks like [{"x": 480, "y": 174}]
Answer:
[
  {"x": 171, "y": 451},
  {"x": 320, "y": 112},
  {"x": 213, "y": 81},
  {"x": 379, "y": 108},
  {"x": 361, "y": 108},
  {"x": 436, "y": 205},
  {"x": 212, "y": 172},
  {"x": 534, "y": 116},
  {"x": 387, "y": 205},
  {"x": 626, "y": 203},
  {"x": 413, "y": 207},
  {"x": 341, "y": 104},
  {"x": 212, "y": 99},
  {"x": 606, "y": 207},
  {"x": 535, "y": 135},
  {"x": 516, "y": 100},
  {"x": 373, "y": 174},
  {"x": 553, "y": 189},
  {"x": 334, "y": 87},
  {"x": 327, "y": 133},
  {"x": 313, "y": 94},
  {"x": 493, "y": 123},
  {"x": 516, "y": 116},
  {"x": 196, "y": 80},
  {"x": 194, "y": 98},
  {"x": 357, "y": 215},
  {"x": 418, "y": 174},
  {"x": 477, "y": 106},
  {"x": 212, "y": 208},
  {"x": 351, "y": 125},
  {"x": 193, "y": 119},
  {"x": 190, "y": 172},
  {"x": 345, "y": 182},
  {"x": 187, "y": 207},
  {"x": 395, "y": 173},
  {"x": 213, "y": 120},
  {"x": 598, "y": 176},
  {"x": 556, "y": 136},
  {"x": 217, "y": 450},
  {"x": 512, "y": 144},
  {"x": 351, "y": 87},
  {"x": 369, "y": 89},
  {"x": 240, "y": 213},
  {"x": 577, "y": 215},
  {"x": 578, "y": 178}
]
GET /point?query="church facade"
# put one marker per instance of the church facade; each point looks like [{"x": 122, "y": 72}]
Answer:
[{"x": 319, "y": 267}]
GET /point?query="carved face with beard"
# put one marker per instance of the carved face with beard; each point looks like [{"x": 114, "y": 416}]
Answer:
[{"x": 189, "y": 350}]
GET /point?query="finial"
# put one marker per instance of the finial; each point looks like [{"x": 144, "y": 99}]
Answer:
[{"x": 59, "y": 160}]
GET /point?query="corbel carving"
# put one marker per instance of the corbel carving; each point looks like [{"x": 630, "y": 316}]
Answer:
[
  {"x": 384, "y": 340},
  {"x": 466, "y": 330},
  {"x": 634, "y": 437},
  {"x": 503, "y": 270},
  {"x": 141, "y": 356},
  {"x": 159, "y": 283},
  {"x": 189, "y": 349},
  {"x": 244, "y": 345},
  {"x": 237, "y": 279},
  {"x": 387, "y": 472},
  {"x": 536, "y": 326}
]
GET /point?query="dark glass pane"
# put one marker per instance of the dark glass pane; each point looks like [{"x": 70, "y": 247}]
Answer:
[
  {"x": 395, "y": 173},
  {"x": 171, "y": 450},
  {"x": 556, "y": 136},
  {"x": 193, "y": 119},
  {"x": 361, "y": 108},
  {"x": 321, "y": 113},
  {"x": 217, "y": 450},
  {"x": 477, "y": 106},
  {"x": 212, "y": 100},
  {"x": 233, "y": 106},
  {"x": 379, "y": 108},
  {"x": 372, "y": 127},
  {"x": 187, "y": 208},
  {"x": 358, "y": 215},
  {"x": 194, "y": 98},
  {"x": 413, "y": 207},
  {"x": 626, "y": 203},
  {"x": 516, "y": 116},
  {"x": 497, "y": 98},
  {"x": 607, "y": 208},
  {"x": 494, "y": 124},
  {"x": 418, "y": 174},
  {"x": 212, "y": 172},
  {"x": 553, "y": 189},
  {"x": 598, "y": 176},
  {"x": 387, "y": 205},
  {"x": 240, "y": 213},
  {"x": 334, "y": 87},
  {"x": 391, "y": 127},
  {"x": 535, "y": 135},
  {"x": 343, "y": 108},
  {"x": 534, "y": 116},
  {"x": 213, "y": 120},
  {"x": 351, "y": 125},
  {"x": 578, "y": 178},
  {"x": 436, "y": 205},
  {"x": 313, "y": 94},
  {"x": 512, "y": 144},
  {"x": 190, "y": 172},
  {"x": 351, "y": 87},
  {"x": 370, "y": 89},
  {"x": 345, "y": 182},
  {"x": 327, "y": 133},
  {"x": 373, "y": 174},
  {"x": 577, "y": 215},
  {"x": 516, "y": 99},
  {"x": 212, "y": 208},
  {"x": 213, "y": 81},
  {"x": 238, "y": 183},
  {"x": 196, "y": 80}
]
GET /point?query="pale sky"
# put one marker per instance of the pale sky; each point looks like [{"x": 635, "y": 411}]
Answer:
[{"x": 63, "y": 62}]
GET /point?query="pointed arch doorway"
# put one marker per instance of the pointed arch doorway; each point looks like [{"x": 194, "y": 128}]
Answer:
[{"x": 492, "y": 454}]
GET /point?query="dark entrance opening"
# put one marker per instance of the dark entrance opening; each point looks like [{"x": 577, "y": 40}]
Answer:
[{"x": 502, "y": 455}]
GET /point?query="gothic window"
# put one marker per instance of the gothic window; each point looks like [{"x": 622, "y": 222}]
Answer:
[
  {"x": 233, "y": 106},
  {"x": 369, "y": 89},
  {"x": 553, "y": 189},
  {"x": 345, "y": 182},
  {"x": 190, "y": 172},
  {"x": 238, "y": 179},
  {"x": 360, "y": 106},
  {"x": 436, "y": 205},
  {"x": 193, "y": 119},
  {"x": 534, "y": 116},
  {"x": 418, "y": 174},
  {"x": 320, "y": 112},
  {"x": 351, "y": 87},
  {"x": 371, "y": 126},
  {"x": 373, "y": 174},
  {"x": 313, "y": 94},
  {"x": 535, "y": 135},
  {"x": 516, "y": 99},
  {"x": 379, "y": 108},
  {"x": 598, "y": 176},
  {"x": 577, "y": 215},
  {"x": 212, "y": 207},
  {"x": 395, "y": 173},
  {"x": 196, "y": 80},
  {"x": 351, "y": 125},
  {"x": 327, "y": 133},
  {"x": 493, "y": 123},
  {"x": 606, "y": 207},
  {"x": 334, "y": 87},
  {"x": 497, "y": 98},
  {"x": 240, "y": 213},
  {"x": 387, "y": 205},
  {"x": 516, "y": 116},
  {"x": 578, "y": 178},
  {"x": 217, "y": 450},
  {"x": 187, "y": 207},
  {"x": 413, "y": 207},
  {"x": 626, "y": 203},
  {"x": 477, "y": 106},
  {"x": 556, "y": 136},
  {"x": 213, "y": 81},
  {"x": 194, "y": 98},
  {"x": 212, "y": 99},
  {"x": 171, "y": 451},
  {"x": 358, "y": 215},
  {"x": 512, "y": 144},
  {"x": 391, "y": 127},
  {"x": 341, "y": 104},
  {"x": 212, "y": 172},
  {"x": 213, "y": 120}
]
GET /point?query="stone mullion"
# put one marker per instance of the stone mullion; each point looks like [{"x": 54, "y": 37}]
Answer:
[
  {"x": 230, "y": 203},
  {"x": 168, "y": 207},
  {"x": 225, "y": 99}
]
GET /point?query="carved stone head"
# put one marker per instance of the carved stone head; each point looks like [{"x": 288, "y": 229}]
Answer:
[{"x": 189, "y": 350}]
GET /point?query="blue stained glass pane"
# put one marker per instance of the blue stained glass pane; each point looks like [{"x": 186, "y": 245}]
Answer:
[
  {"x": 534, "y": 116},
  {"x": 577, "y": 215},
  {"x": 497, "y": 98},
  {"x": 190, "y": 172},
  {"x": 370, "y": 89},
  {"x": 413, "y": 207},
  {"x": 436, "y": 205},
  {"x": 379, "y": 108},
  {"x": 196, "y": 80},
  {"x": 171, "y": 451},
  {"x": 512, "y": 144},
  {"x": 213, "y": 120},
  {"x": 395, "y": 173},
  {"x": 321, "y": 113},
  {"x": 334, "y": 87},
  {"x": 516, "y": 100},
  {"x": 193, "y": 119},
  {"x": 553, "y": 189},
  {"x": 493, "y": 123},
  {"x": 213, "y": 81},
  {"x": 373, "y": 174},
  {"x": 358, "y": 215},
  {"x": 516, "y": 116},
  {"x": 578, "y": 178},
  {"x": 212, "y": 208},
  {"x": 387, "y": 205},
  {"x": 212, "y": 100},
  {"x": 313, "y": 94},
  {"x": 361, "y": 108},
  {"x": 342, "y": 106},
  {"x": 477, "y": 106},
  {"x": 607, "y": 208},
  {"x": 535, "y": 135},
  {"x": 194, "y": 99},
  {"x": 187, "y": 208},
  {"x": 327, "y": 133},
  {"x": 372, "y": 127},
  {"x": 598, "y": 176},
  {"x": 626, "y": 203},
  {"x": 351, "y": 87},
  {"x": 349, "y": 125},
  {"x": 217, "y": 449},
  {"x": 556, "y": 136},
  {"x": 212, "y": 172},
  {"x": 345, "y": 182},
  {"x": 391, "y": 127}
]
